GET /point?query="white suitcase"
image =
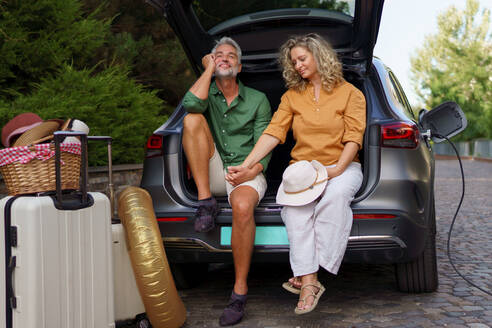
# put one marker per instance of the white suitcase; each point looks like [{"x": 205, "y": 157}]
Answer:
[
  {"x": 63, "y": 274},
  {"x": 128, "y": 303},
  {"x": 57, "y": 262}
]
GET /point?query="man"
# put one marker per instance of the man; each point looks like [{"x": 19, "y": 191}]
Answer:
[{"x": 224, "y": 121}]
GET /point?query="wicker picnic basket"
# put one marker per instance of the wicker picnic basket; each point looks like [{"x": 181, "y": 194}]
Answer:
[{"x": 38, "y": 175}]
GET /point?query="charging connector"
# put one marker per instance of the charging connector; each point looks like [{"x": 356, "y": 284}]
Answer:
[{"x": 427, "y": 134}]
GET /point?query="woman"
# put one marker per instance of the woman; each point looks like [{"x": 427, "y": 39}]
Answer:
[{"x": 327, "y": 117}]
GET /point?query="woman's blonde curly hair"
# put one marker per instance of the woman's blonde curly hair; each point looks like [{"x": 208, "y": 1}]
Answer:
[{"x": 328, "y": 64}]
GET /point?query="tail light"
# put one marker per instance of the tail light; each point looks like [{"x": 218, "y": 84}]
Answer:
[
  {"x": 154, "y": 146},
  {"x": 400, "y": 135},
  {"x": 374, "y": 216},
  {"x": 174, "y": 219}
]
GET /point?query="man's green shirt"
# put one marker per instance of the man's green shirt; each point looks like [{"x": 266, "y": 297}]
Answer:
[{"x": 235, "y": 128}]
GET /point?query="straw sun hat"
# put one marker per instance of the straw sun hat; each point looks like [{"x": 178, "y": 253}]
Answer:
[
  {"x": 41, "y": 132},
  {"x": 302, "y": 183}
]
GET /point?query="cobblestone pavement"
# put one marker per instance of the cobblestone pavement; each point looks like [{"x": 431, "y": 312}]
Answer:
[{"x": 366, "y": 295}]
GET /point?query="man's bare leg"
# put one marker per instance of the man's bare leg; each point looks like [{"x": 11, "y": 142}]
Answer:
[
  {"x": 243, "y": 202},
  {"x": 198, "y": 145}
]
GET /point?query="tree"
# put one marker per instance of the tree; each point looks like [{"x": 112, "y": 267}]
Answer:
[
  {"x": 49, "y": 66},
  {"x": 456, "y": 64},
  {"x": 37, "y": 37},
  {"x": 108, "y": 102},
  {"x": 141, "y": 39}
]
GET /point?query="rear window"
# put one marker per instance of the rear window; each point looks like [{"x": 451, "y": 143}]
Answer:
[{"x": 213, "y": 12}]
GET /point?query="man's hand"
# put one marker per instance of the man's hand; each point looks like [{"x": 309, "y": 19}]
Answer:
[
  {"x": 208, "y": 62},
  {"x": 239, "y": 174},
  {"x": 201, "y": 87}
]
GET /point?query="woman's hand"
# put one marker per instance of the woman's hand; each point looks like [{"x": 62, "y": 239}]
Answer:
[
  {"x": 348, "y": 154},
  {"x": 239, "y": 174},
  {"x": 333, "y": 171}
]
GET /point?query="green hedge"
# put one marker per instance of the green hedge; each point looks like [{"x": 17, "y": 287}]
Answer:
[
  {"x": 38, "y": 36},
  {"x": 108, "y": 102}
]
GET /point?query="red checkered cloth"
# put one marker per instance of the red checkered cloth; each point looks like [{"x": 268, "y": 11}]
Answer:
[{"x": 42, "y": 152}]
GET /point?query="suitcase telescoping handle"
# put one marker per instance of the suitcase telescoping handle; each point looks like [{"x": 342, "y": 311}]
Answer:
[
  {"x": 109, "y": 140},
  {"x": 59, "y": 136}
]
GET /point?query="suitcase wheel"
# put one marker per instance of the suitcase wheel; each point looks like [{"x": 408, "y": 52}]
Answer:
[{"x": 141, "y": 321}]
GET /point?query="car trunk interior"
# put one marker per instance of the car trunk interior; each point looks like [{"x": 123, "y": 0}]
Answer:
[{"x": 272, "y": 85}]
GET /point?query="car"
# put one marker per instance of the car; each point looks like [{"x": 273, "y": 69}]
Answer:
[{"x": 394, "y": 212}]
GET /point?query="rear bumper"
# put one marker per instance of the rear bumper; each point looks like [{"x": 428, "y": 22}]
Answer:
[
  {"x": 365, "y": 249},
  {"x": 395, "y": 240}
]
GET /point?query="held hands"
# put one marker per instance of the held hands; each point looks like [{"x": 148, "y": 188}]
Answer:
[
  {"x": 239, "y": 174},
  {"x": 208, "y": 62}
]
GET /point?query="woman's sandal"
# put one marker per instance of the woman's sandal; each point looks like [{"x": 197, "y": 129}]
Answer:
[
  {"x": 289, "y": 286},
  {"x": 315, "y": 296}
]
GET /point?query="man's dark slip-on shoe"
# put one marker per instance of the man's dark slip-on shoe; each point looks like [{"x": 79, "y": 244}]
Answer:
[
  {"x": 205, "y": 215},
  {"x": 234, "y": 311}
]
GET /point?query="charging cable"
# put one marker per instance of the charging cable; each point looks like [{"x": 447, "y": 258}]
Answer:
[{"x": 456, "y": 213}]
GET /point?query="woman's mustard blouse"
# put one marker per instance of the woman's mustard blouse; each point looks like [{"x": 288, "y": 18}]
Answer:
[{"x": 320, "y": 128}]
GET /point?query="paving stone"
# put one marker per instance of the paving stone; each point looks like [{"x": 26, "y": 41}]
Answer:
[
  {"x": 380, "y": 319},
  {"x": 462, "y": 294},
  {"x": 486, "y": 318},
  {"x": 434, "y": 311},
  {"x": 474, "y": 298},
  {"x": 478, "y": 325},
  {"x": 353, "y": 320},
  {"x": 455, "y": 314},
  {"x": 472, "y": 308},
  {"x": 453, "y": 308}
]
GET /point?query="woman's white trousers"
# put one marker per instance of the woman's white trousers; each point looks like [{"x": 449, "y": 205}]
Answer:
[{"x": 318, "y": 232}]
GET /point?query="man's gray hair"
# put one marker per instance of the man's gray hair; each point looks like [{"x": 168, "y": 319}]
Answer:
[{"x": 231, "y": 42}]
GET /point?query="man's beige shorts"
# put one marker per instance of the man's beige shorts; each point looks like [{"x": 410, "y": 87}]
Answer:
[{"x": 219, "y": 185}]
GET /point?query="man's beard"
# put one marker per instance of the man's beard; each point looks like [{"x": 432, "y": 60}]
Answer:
[{"x": 226, "y": 73}]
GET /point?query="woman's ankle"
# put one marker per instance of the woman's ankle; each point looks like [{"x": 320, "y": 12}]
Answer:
[{"x": 310, "y": 278}]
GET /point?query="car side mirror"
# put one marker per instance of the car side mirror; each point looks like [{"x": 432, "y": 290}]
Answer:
[{"x": 447, "y": 120}]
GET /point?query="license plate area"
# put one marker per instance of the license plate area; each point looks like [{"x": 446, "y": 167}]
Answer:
[{"x": 265, "y": 236}]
